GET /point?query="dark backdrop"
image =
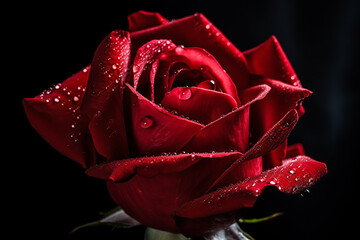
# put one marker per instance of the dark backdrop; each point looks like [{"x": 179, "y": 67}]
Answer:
[{"x": 49, "y": 194}]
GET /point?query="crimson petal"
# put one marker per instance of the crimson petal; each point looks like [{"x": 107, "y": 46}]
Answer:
[
  {"x": 153, "y": 127},
  {"x": 108, "y": 71},
  {"x": 282, "y": 98},
  {"x": 175, "y": 180},
  {"x": 269, "y": 60},
  {"x": 230, "y": 132},
  {"x": 56, "y": 115},
  {"x": 268, "y": 142},
  {"x": 104, "y": 89},
  {"x": 147, "y": 55},
  {"x": 294, "y": 176},
  {"x": 203, "y": 35},
  {"x": 199, "y": 104},
  {"x": 143, "y": 19},
  {"x": 200, "y": 59},
  {"x": 123, "y": 169}
]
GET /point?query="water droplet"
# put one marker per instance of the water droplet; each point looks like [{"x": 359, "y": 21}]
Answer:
[
  {"x": 76, "y": 99},
  {"x": 146, "y": 122},
  {"x": 185, "y": 94},
  {"x": 272, "y": 182},
  {"x": 305, "y": 193},
  {"x": 208, "y": 26},
  {"x": 285, "y": 126},
  {"x": 292, "y": 171},
  {"x": 114, "y": 66},
  {"x": 56, "y": 100}
]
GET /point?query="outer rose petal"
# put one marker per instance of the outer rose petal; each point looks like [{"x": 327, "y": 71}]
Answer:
[
  {"x": 282, "y": 98},
  {"x": 269, "y": 60},
  {"x": 294, "y": 176},
  {"x": 156, "y": 130},
  {"x": 124, "y": 169},
  {"x": 56, "y": 116},
  {"x": 141, "y": 20},
  {"x": 203, "y": 35},
  {"x": 268, "y": 142},
  {"x": 108, "y": 71},
  {"x": 166, "y": 187},
  {"x": 105, "y": 91}
]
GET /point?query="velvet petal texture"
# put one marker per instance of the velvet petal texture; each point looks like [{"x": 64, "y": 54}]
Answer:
[{"x": 56, "y": 116}]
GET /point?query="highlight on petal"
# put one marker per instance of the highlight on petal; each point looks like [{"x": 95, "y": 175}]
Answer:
[
  {"x": 142, "y": 19},
  {"x": 294, "y": 176},
  {"x": 269, "y": 60},
  {"x": 56, "y": 115}
]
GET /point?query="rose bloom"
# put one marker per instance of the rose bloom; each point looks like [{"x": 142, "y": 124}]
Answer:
[{"x": 186, "y": 130}]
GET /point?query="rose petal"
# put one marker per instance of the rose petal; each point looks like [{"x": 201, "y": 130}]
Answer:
[
  {"x": 198, "y": 58},
  {"x": 268, "y": 142},
  {"x": 147, "y": 55},
  {"x": 231, "y": 132},
  {"x": 294, "y": 150},
  {"x": 203, "y": 35},
  {"x": 108, "y": 71},
  {"x": 198, "y": 104},
  {"x": 124, "y": 169},
  {"x": 56, "y": 116},
  {"x": 141, "y": 20},
  {"x": 106, "y": 79},
  {"x": 269, "y": 60},
  {"x": 108, "y": 131},
  {"x": 175, "y": 179},
  {"x": 153, "y": 127},
  {"x": 294, "y": 176},
  {"x": 282, "y": 98}
]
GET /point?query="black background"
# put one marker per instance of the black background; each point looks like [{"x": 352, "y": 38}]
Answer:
[{"x": 48, "y": 195}]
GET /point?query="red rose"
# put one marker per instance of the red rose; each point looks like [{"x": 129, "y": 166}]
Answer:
[{"x": 186, "y": 130}]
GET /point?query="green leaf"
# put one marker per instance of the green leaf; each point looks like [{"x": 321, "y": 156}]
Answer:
[{"x": 154, "y": 234}]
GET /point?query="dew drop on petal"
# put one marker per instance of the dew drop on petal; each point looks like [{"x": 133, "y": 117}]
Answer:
[
  {"x": 285, "y": 126},
  {"x": 56, "y": 100},
  {"x": 185, "y": 94},
  {"x": 146, "y": 122},
  {"x": 76, "y": 99}
]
